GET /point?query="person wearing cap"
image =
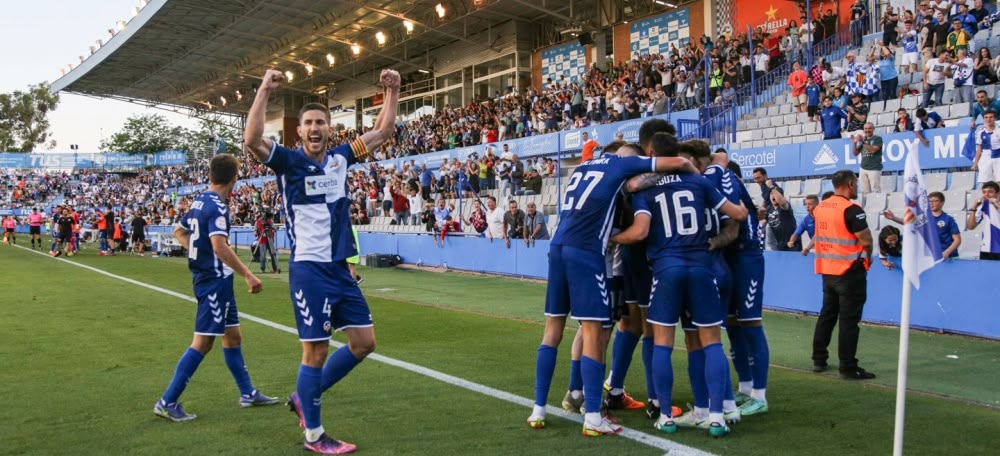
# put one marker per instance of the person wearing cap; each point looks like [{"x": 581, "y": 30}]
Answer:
[{"x": 857, "y": 112}]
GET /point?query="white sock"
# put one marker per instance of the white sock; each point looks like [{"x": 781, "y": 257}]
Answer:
[
  {"x": 313, "y": 435},
  {"x": 593, "y": 418},
  {"x": 746, "y": 387},
  {"x": 608, "y": 381},
  {"x": 617, "y": 391},
  {"x": 538, "y": 411},
  {"x": 576, "y": 394},
  {"x": 728, "y": 405},
  {"x": 656, "y": 402},
  {"x": 716, "y": 418},
  {"x": 759, "y": 394},
  {"x": 701, "y": 412}
]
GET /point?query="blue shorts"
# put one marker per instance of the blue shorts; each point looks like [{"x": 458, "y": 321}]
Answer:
[
  {"x": 638, "y": 277},
  {"x": 676, "y": 290},
  {"x": 747, "y": 302},
  {"x": 325, "y": 298},
  {"x": 724, "y": 283},
  {"x": 216, "y": 307},
  {"x": 577, "y": 285}
]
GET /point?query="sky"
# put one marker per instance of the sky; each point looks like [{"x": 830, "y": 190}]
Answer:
[{"x": 40, "y": 38}]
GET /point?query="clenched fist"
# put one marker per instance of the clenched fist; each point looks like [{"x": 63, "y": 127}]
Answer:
[
  {"x": 390, "y": 79},
  {"x": 272, "y": 80}
]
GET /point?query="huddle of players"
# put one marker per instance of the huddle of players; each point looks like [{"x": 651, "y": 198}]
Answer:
[{"x": 690, "y": 248}]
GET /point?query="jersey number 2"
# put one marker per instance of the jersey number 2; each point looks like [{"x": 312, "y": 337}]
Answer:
[{"x": 192, "y": 250}]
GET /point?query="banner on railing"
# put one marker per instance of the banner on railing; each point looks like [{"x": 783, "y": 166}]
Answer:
[
  {"x": 91, "y": 160},
  {"x": 568, "y": 60},
  {"x": 169, "y": 158},
  {"x": 655, "y": 35},
  {"x": 826, "y": 157}
]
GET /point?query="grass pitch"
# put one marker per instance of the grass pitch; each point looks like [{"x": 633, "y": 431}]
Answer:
[{"x": 85, "y": 356}]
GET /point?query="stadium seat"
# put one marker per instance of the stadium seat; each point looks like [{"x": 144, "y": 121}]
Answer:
[
  {"x": 757, "y": 143},
  {"x": 811, "y": 187},
  {"x": 825, "y": 185},
  {"x": 875, "y": 201},
  {"x": 918, "y": 78},
  {"x": 885, "y": 119},
  {"x": 764, "y": 122},
  {"x": 754, "y": 191},
  {"x": 910, "y": 103},
  {"x": 888, "y": 183},
  {"x": 876, "y": 106},
  {"x": 795, "y": 130},
  {"x": 874, "y": 219},
  {"x": 814, "y": 137},
  {"x": 897, "y": 201},
  {"x": 771, "y": 142},
  {"x": 792, "y": 188},
  {"x": 936, "y": 182},
  {"x": 778, "y": 120},
  {"x": 757, "y": 134},
  {"x": 892, "y": 106},
  {"x": 971, "y": 198},
  {"x": 753, "y": 124},
  {"x": 810, "y": 128},
  {"x": 963, "y": 180},
  {"x": 970, "y": 244},
  {"x": 791, "y": 119},
  {"x": 741, "y": 125},
  {"x": 785, "y": 108},
  {"x": 954, "y": 201},
  {"x": 960, "y": 110},
  {"x": 785, "y": 141},
  {"x": 781, "y": 132}
]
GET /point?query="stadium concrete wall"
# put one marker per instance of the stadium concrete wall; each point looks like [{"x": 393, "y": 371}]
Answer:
[{"x": 956, "y": 296}]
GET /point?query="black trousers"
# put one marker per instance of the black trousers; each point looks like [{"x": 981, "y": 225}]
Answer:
[{"x": 844, "y": 299}]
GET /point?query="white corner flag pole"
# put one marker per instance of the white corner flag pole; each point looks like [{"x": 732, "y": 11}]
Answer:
[{"x": 904, "y": 350}]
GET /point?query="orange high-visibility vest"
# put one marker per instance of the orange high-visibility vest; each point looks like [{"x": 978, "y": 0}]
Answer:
[{"x": 837, "y": 248}]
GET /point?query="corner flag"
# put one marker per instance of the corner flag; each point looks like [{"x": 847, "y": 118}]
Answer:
[{"x": 921, "y": 244}]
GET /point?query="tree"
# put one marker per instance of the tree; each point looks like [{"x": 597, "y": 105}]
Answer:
[
  {"x": 147, "y": 134},
  {"x": 209, "y": 132},
  {"x": 24, "y": 122}
]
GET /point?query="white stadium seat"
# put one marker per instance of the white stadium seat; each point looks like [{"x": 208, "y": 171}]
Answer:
[
  {"x": 888, "y": 183},
  {"x": 936, "y": 182},
  {"x": 963, "y": 180}
]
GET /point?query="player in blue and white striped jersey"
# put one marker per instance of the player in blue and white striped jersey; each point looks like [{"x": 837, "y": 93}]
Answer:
[
  {"x": 987, "y": 160},
  {"x": 204, "y": 230},
  {"x": 326, "y": 298}
]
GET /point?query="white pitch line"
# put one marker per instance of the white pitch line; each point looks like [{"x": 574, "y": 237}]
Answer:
[{"x": 672, "y": 448}]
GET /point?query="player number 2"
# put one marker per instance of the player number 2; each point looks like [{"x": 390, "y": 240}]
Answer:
[
  {"x": 685, "y": 217},
  {"x": 192, "y": 250},
  {"x": 593, "y": 177}
]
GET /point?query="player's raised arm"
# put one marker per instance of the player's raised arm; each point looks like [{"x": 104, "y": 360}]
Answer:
[
  {"x": 385, "y": 123},
  {"x": 226, "y": 255},
  {"x": 253, "y": 135}
]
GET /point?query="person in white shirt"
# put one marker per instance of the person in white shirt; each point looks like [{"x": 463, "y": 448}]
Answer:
[
  {"x": 987, "y": 160},
  {"x": 494, "y": 220},
  {"x": 935, "y": 72},
  {"x": 833, "y": 77},
  {"x": 961, "y": 70},
  {"x": 987, "y": 208}
]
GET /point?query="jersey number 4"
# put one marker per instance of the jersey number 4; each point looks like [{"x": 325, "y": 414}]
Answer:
[{"x": 591, "y": 177}]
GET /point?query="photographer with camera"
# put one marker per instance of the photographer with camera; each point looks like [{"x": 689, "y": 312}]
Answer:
[{"x": 264, "y": 232}]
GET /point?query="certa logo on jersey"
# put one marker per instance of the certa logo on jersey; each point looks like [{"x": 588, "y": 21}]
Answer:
[{"x": 321, "y": 185}]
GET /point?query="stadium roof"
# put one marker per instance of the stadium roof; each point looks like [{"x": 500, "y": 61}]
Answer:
[{"x": 192, "y": 53}]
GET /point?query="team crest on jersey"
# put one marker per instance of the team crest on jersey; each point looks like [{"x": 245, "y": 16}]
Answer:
[
  {"x": 220, "y": 223},
  {"x": 326, "y": 326}
]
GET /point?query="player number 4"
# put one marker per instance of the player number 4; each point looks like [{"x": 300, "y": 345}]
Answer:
[{"x": 591, "y": 177}]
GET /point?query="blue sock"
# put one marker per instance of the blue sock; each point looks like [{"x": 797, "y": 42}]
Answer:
[
  {"x": 307, "y": 385},
  {"x": 337, "y": 366},
  {"x": 696, "y": 373},
  {"x": 593, "y": 383},
  {"x": 757, "y": 342},
  {"x": 575, "y": 377},
  {"x": 545, "y": 367},
  {"x": 236, "y": 365},
  {"x": 647, "y": 363},
  {"x": 621, "y": 357},
  {"x": 716, "y": 371},
  {"x": 740, "y": 352},
  {"x": 663, "y": 376},
  {"x": 729, "y": 396},
  {"x": 185, "y": 369}
]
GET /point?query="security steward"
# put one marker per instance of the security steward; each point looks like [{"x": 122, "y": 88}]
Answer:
[{"x": 843, "y": 247}]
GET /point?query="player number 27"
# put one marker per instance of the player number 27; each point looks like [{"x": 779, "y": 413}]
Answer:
[{"x": 591, "y": 177}]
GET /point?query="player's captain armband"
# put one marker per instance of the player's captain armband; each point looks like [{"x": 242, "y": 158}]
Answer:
[{"x": 360, "y": 150}]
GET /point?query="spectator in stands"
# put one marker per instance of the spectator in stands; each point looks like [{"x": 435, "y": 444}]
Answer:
[
  {"x": 426, "y": 179},
  {"x": 812, "y": 100},
  {"x": 516, "y": 173},
  {"x": 890, "y": 246},
  {"x": 911, "y": 56},
  {"x": 859, "y": 22},
  {"x": 926, "y": 120},
  {"x": 400, "y": 203},
  {"x": 948, "y": 233},
  {"x": 857, "y": 112},
  {"x": 979, "y": 11},
  {"x": 987, "y": 159},
  {"x": 761, "y": 61},
  {"x": 832, "y": 119},
  {"x": 503, "y": 168},
  {"x": 987, "y": 207},
  {"x": 935, "y": 72},
  {"x": 869, "y": 148},
  {"x": 797, "y": 81},
  {"x": 441, "y": 213},
  {"x": 983, "y": 103},
  {"x": 781, "y": 224},
  {"x": 494, "y": 220},
  {"x": 413, "y": 201},
  {"x": 961, "y": 70},
  {"x": 766, "y": 187},
  {"x": 903, "y": 121},
  {"x": 983, "y": 72},
  {"x": 833, "y": 77},
  {"x": 589, "y": 145},
  {"x": 840, "y": 99},
  {"x": 890, "y": 24},
  {"x": 958, "y": 39},
  {"x": 941, "y": 29},
  {"x": 534, "y": 225},
  {"x": 888, "y": 76},
  {"x": 969, "y": 23},
  {"x": 513, "y": 223},
  {"x": 532, "y": 182},
  {"x": 926, "y": 34},
  {"x": 806, "y": 225}
]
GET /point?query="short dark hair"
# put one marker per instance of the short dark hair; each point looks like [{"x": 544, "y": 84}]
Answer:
[
  {"x": 921, "y": 112},
  {"x": 937, "y": 195},
  {"x": 223, "y": 169},
  {"x": 993, "y": 185},
  {"x": 735, "y": 168},
  {"x": 990, "y": 111},
  {"x": 490, "y": 198},
  {"x": 613, "y": 146},
  {"x": 313, "y": 107},
  {"x": 721, "y": 150},
  {"x": 981, "y": 92},
  {"x": 762, "y": 171},
  {"x": 653, "y": 126},
  {"x": 812, "y": 197},
  {"x": 697, "y": 148},
  {"x": 842, "y": 178},
  {"x": 663, "y": 144},
  {"x": 827, "y": 195}
]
